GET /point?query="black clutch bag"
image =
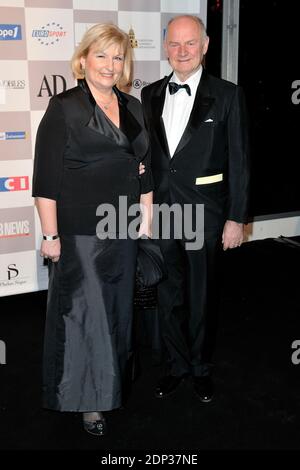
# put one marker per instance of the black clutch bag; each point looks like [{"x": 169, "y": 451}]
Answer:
[
  {"x": 145, "y": 298},
  {"x": 151, "y": 267}
]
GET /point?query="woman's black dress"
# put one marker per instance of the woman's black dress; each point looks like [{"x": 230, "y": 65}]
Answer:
[{"x": 89, "y": 311}]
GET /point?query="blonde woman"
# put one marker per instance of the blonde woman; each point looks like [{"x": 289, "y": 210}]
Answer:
[{"x": 89, "y": 145}]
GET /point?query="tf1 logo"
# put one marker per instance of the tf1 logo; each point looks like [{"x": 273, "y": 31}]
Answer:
[{"x": 14, "y": 183}]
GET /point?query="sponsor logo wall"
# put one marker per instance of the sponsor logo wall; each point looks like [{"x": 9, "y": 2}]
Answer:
[{"x": 37, "y": 40}]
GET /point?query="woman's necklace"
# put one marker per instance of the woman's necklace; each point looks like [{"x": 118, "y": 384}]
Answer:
[{"x": 107, "y": 105}]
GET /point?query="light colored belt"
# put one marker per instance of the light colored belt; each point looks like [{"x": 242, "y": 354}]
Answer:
[{"x": 209, "y": 179}]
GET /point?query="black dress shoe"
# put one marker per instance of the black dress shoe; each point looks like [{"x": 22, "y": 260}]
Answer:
[
  {"x": 167, "y": 385},
  {"x": 97, "y": 428},
  {"x": 204, "y": 388}
]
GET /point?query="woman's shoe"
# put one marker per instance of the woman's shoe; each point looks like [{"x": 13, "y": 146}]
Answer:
[{"x": 97, "y": 427}]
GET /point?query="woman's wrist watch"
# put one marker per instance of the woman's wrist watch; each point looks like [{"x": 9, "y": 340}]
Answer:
[{"x": 50, "y": 238}]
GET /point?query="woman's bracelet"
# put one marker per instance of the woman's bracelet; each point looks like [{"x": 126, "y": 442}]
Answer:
[{"x": 50, "y": 238}]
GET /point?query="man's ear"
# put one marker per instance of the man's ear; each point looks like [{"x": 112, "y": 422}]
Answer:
[
  {"x": 165, "y": 47},
  {"x": 205, "y": 45}
]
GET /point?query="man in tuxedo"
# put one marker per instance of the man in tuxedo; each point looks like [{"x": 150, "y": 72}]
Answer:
[{"x": 199, "y": 147}]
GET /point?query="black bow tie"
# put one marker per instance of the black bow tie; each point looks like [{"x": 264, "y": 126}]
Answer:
[{"x": 174, "y": 87}]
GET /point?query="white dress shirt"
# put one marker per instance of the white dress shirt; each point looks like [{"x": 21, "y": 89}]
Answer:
[{"x": 177, "y": 109}]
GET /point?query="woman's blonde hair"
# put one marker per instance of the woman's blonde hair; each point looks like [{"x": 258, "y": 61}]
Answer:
[{"x": 103, "y": 35}]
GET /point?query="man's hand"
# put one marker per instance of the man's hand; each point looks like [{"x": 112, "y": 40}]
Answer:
[
  {"x": 233, "y": 234},
  {"x": 141, "y": 169}
]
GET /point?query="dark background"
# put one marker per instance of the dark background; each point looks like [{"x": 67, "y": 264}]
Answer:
[{"x": 268, "y": 65}]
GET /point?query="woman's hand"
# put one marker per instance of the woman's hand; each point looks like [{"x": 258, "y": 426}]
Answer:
[
  {"x": 147, "y": 213},
  {"x": 51, "y": 249},
  {"x": 141, "y": 169},
  {"x": 145, "y": 229}
]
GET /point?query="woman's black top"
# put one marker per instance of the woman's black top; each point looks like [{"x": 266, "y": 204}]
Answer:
[{"x": 83, "y": 160}]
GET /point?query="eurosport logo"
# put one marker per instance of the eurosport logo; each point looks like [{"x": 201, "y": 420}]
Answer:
[
  {"x": 49, "y": 34},
  {"x": 14, "y": 183},
  {"x": 10, "y": 32},
  {"x": 13, "y": 135}
]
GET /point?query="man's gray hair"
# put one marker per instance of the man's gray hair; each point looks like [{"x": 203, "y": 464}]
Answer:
[{"x": 197, "y": 20}]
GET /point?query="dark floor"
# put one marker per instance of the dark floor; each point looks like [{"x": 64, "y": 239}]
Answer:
[{"x": 257, "y": 401}]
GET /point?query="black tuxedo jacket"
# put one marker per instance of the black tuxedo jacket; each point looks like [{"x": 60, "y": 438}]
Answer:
[{"x": 210, "y": 164}]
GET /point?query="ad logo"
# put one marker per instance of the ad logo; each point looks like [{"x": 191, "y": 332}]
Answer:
[
  {"x": 14, "y": 183},
  {"x": 10, "y": 32},
  {"x": 51, "y": 86},
  {"x": 13, "y": 135},
  {"x": 49, "y": 34}
]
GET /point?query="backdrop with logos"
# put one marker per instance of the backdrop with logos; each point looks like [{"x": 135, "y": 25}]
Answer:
[{"x": 37, "y": 40}]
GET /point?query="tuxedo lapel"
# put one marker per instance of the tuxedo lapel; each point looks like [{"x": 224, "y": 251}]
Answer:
[
  {"x": 202, "y": 104},
  {"x": 157, "y": 104}
]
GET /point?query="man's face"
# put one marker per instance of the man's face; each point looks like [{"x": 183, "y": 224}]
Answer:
[{"x": 185, "y": 47}]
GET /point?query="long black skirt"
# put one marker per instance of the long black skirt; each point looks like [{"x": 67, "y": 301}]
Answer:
[{"x": 89, "y": 323}]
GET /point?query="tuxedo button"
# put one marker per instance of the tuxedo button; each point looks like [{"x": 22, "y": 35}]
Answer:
[{"x": 172, "y": 170}]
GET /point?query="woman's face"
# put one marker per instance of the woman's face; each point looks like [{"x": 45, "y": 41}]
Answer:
[{"x": 103, "y": 68}]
